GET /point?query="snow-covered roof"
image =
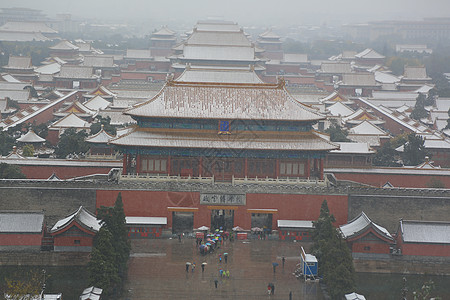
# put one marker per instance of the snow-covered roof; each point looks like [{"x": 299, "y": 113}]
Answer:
[
  {"x": 16, "y": 26},
  {"x": 19, "y": 62},
  {"x": 295, "y": 224},
  {"x": 49, "y": 69},
  {"x": 9, "y": 78},
  {"x": 354, "y": 296},
  {"x": 217, "y": 101},
  {"x": 216, "y": 25},
  {"x": 359, "y": 79},
  {"x": 70, "y": 121},
  {"x": 138, "y": 54},
  {"x": 425, "y": 232},
  {"x": 30, "y": 137},
  {"x": 359, "y": 225},
  {"x": 11, "y": 36},
  {"x": 64, "y": 45},
  {"x": 269, "y": 34},
  {"x": 164, "y": 30},
  {"x": 97, "y": 103},
  {"x": 34, "y": 111},
  {"x": 367, "y": 128},
  {"x": 219, "y": 76},
  {"x": 146, "y": 220},
  {"x": 336, "y": 97},
  {"x": 17, "y": 95},
  {"x": 76, "y": 72},
  {"x": 362, "y": 115},
  {"x": 101, "y": 137},
  {"x": 83, "y": 217},
  {"x": 99, "y": 61},
  {"x": 230, "y": 53},
  {"x": 335, "y": 67},
  {"x": 369, "y": 54},
  {"x": 117, "y": 117},
  {"x": 415, "y": 73},
  {"x": 21, "y": 222},
  {"x": 353, "y": 148},
  {"x": 218, "y": 38},
  {"x": 339, "y": 109},
  {"x": 252, "y": 140},
  {"x": 91, "y": 293},
  {"x": 384, "y": 77}
]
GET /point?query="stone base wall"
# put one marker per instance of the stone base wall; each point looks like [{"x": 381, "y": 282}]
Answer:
[
  {"x": 404, "y": 265},
  {"x": 44, "y": 258}
]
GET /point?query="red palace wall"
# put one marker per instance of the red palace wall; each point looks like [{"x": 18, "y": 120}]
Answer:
[
  {"x": 69, "y": 241},
  {"x": 21, "y": 239},
  {"x": 425, "y": 249},
  {"x": 290, "y": 207},
  {"x": 375, "y": 247},
  {"x": 397, "y": 180},
  {"x": 63, "y": 172}
]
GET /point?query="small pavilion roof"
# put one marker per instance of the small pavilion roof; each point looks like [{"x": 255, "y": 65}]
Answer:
[
  {"x": 339, "y": 109},
  {"x": 225, "y": 101},
  {"x": 101, "y": 137},
  {"x": 360, "y": 224},
  {"x": 91, "y": 293},
  {"x": 30, "y": 137},
  {"x": 64, "y": 45},
  {"x": 369, "y": 54},
  {"x": 21, "y": 222},
  {"x": 69, "y": 121},
  {"x": 77, "y": 108},
  {"x": 367, "y": 128},
  {"x": 336, "y": 97},
  {"x": 83, "y": 217},
  {"x": 362, "y": 115},
  {"x": 269, "y": 34},
  {"x": 425, "y": 232},
  {"x": 97, "y": 103},
  {"x": 164, "y": 30}
]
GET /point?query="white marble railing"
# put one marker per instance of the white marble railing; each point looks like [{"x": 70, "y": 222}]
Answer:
[
  {"x": 162, "y": 178},
  {"x": 287, "y": 180}
]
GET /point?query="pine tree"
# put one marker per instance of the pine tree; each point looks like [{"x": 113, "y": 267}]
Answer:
[
  {"x": 333, "y": 254},
  {"x": 103, "y": 269}
]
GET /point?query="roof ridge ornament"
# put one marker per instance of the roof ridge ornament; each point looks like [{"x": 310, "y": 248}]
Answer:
[{"x": 281, "y": 83}]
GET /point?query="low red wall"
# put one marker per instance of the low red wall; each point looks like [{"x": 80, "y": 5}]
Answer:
[
  {"x": 21, "y": 239},
  {"x": 63, "y": 172},
  {"x": 397, "y": 180},
  {"x": 425, "y": 249}
]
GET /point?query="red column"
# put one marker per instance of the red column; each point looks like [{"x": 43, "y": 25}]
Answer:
[
  {"x": 138, "y": 164},
  {"x": 168, "y": 165},
  {"x": 308, "y": 167},
  {"x": 321, "y": 168},
  {"x": 277, "y": 167},
  {"x": 125, "y": 163},
  {"x": 245, "y": 167}
]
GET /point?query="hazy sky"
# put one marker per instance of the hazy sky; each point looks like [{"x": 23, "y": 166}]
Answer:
[{"x": 245, "y": 12}]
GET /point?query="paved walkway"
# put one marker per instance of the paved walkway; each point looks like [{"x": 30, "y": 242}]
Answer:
[{"x": 157, "y": 270}]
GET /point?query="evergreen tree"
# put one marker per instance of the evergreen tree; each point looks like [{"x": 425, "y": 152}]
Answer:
[
  {"x": 113, "y": 219},
  {"x": 333, "y": 255},
  {"x": 337, "y": 133},
  {"x": 6, "y": 143},
  {"x": 71, "y": 141},
  {"x": 414, "y": 150},
  {"x": 106, "y": 122},
  {"x": 419, "y": 111},
  {"x": 103, "y": 269},
  {"x": 10, "y": 172}
]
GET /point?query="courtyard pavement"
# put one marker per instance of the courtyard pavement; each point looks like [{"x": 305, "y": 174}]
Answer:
[{"x": 157, "y": 270}]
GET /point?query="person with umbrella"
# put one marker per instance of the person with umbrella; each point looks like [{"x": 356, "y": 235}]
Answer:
[
  {"x": 225, "y": 255},
  {"x": 203, "y": 266},
  {"x": 274, "y": 265},
  {"x": 187, "y": 266}
]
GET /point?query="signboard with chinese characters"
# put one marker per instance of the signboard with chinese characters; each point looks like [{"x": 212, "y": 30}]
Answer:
[{"x": 222, "y": 199}]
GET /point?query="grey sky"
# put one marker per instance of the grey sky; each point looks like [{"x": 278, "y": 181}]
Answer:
[{"x": 245, "y": 12}]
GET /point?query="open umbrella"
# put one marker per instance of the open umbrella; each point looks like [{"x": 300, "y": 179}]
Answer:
[
  {"x": 238, "y": 228},
  {"x": 203, "y": 228},
  {"x": 204, "y": 263},
  {"x": 188, "y": 263},
  {"x": 274, "y": 264},
  {"x": 257, "y": 229}
]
